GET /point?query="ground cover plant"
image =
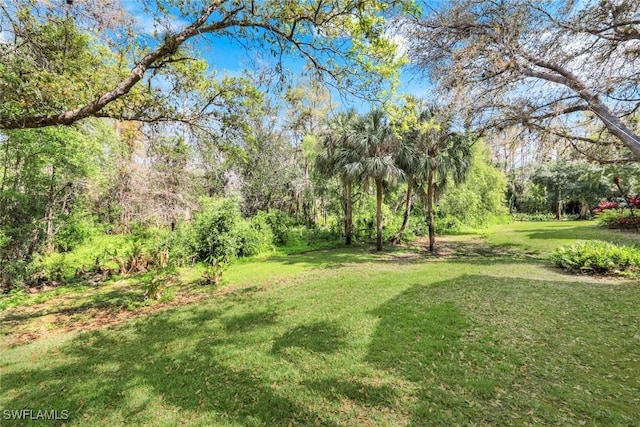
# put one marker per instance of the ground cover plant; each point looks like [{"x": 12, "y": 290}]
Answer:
[
  {"x": 481, "y": 333},
  {"x": 598, "y": 258}
]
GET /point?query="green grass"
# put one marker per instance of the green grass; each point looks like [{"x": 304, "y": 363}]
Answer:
[
  {"x": 544, "y": 237},
  {"x": 491, "y": 336}
]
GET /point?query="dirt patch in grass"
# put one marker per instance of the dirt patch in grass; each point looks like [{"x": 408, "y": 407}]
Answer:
[
  {"x": 63, "y": 314},
  {"x": 456, "y": 247}
]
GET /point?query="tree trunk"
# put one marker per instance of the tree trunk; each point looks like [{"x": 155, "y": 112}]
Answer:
[
  {"x": 562, "y": 75},
  {"x": 397, "y": 238},
  {"x": 559, "y": 206},
  {"x": 50, "y": 215},
  {"x": 379, "y": 213},
  {"x": 430, "y": 218},
  {"x": 348, "y": 221}
]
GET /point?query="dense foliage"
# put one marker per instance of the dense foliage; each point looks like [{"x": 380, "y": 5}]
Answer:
[
  {"x": 220, "y": 232},
  {"x": 597, "y": 257}
]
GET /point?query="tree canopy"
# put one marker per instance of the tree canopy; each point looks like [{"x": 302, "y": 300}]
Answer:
[
  {"x": 566, "y": 69},
  {"x": 60, "y": 65}
]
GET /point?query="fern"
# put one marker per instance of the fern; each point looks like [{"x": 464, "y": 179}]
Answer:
[{"x": 597, "y": 257}]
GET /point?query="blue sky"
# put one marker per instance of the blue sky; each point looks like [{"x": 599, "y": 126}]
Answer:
[{"x": 228, "y": 57}]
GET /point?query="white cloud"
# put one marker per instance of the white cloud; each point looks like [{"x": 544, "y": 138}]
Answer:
[
  {"x": 5, "y": 36},
  {"x": 154, "y": 23}
]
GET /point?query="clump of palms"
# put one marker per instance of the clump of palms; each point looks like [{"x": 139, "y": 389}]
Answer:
[
  {"x": 360, "y": 149},
  {"x": 432, "y": 154},
  {"x": 334, "y": 158}
]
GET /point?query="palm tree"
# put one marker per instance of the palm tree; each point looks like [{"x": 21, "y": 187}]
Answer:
[
  {"x": 336, "y": 159},
  {"x": 438, "y": 154},
  {"x": 408, "y": 161},
  {"x": 375, "y": 143}
]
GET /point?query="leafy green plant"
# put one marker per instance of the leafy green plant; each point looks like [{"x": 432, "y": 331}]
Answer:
[
  {"x": 279, "y": 222},
  {"x": 220, "y": 231},
  {"x": 619, "y": 219},
  {"x": 14, "y": 298},
  {"x": 537, "y": 216},
  {"x": 213, "y": 273},
  {"x": 448, "y": 224},
  {"x": 596, "y": 257},
  {"x": 155, "y": 288}
]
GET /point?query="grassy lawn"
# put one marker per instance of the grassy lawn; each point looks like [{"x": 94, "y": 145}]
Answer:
[{"x": 485, "y": 333}]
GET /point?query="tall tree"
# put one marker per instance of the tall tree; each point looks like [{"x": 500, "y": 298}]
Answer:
[
  {"x": 563, "y": 68},
  {"x": 375, "y": 142},
  {"x": 42, "y": 177},
  {"x": 438, "y": 153},
  {"x": 307, "y": 108},
  {"x": 337, "y": 156},
  {"x": 169, "y": 160}
]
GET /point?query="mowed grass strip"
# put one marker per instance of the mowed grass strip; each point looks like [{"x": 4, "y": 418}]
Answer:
[{"x": 372, "y": 340}]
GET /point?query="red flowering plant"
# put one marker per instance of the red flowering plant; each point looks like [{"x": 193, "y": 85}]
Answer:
[
  {"x": 619, "y": 219},
  {"x": 603, "y": 206}
]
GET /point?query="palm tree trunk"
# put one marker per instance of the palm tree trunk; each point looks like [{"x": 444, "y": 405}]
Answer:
[
  {"x": 397, "y": 238},
  {"x": 430, "y": 217},
  {"x": 348, "y": 221},
  {"x": 379, "y": 213}
]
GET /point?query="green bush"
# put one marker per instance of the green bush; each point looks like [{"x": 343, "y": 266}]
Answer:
[
  {"x": 279, "y": 222},
  {"x": 618, "y": 219},
  {"x": 77, "y": 228},
  {"x": 477, "y": 202},
  {"x": 538, "y": 216},
  {"x": 252, "y": 238},
  {"x": 219, "y": 231},
  {"x": 597, "y": 257},
  {"x": 609, "y": 217},
  {"x": 448, "y": 224}
]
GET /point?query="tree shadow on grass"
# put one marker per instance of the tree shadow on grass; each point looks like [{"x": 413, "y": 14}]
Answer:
[
  {"x": 250, "y": 321},
  {"x": 175, "y": 361},
  {"x": 106, "y": 301},
  {"x": 341, "y": 257},
  {"x": 319, "y": 337},
  {"x": 486, "y": 350},
  {"x": 383, "y": 396}
]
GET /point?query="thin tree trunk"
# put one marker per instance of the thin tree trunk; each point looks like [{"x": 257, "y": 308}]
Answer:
[
  {"x": 379, "y": 213},
  {"x": 49, "y": 217},
  {"x": 430, "y": 218},
  {"x": 3, "y": 182},
  {"x": 397, "y": 238},
  {"x": 348, "y": 221},
  {"x": 559, "y": 207}
]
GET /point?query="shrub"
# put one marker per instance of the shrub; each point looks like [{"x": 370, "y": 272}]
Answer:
[
  {"x": 219, "y": 231},
  {"x": 212, "y": 274},
  {"x": 252, "y": 239},
  {"x": 617, "y": 219},
  {"x": 77, "y": 228},
  {"x": 154, "y": 289},
  {"x": 279, "y": 222},
  {"x": 605, "y": 206},
  {"x": 597, "y": 257},
  {"x": 448, "y": 224},
  {"x": 538, "y": 216}
]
